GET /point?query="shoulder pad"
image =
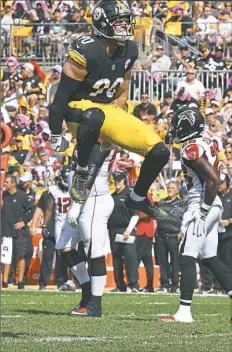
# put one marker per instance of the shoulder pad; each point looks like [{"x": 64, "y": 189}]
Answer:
[
  {"x": 81, "y": 49},
  {"x": 192, "y": 151}
]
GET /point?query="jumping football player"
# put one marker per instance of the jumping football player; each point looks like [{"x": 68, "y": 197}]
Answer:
[
  {"x": 91, "y": 96},
  {"x": 204, "y": 209}
]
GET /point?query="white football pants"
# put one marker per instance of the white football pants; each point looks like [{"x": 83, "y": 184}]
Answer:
[{"x": 203, "y": 246}]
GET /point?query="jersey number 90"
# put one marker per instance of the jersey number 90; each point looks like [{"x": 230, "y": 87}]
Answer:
[{"x": 104, "y": 85}]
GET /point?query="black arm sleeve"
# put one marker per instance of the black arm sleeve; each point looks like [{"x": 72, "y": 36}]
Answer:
[{"x": 59, "y": 108}]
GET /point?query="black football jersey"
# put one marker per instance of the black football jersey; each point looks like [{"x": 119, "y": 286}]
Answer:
[{"x": 105, "y": 73}]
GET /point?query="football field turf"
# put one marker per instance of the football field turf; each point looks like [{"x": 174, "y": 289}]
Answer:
[{"x": 38, "y": 321}]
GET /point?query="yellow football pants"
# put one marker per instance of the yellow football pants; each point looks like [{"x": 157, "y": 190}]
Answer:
[{"x": 120, "y": 128}]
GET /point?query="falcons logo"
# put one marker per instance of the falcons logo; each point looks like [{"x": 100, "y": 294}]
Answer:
[{"x": 187, "y": 115}]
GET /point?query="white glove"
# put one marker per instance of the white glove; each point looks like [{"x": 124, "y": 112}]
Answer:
[
  {"x": 73, "y": 214},
  {"x": 55, "y": 142},
  {"x": 199, "y": 223},
  {"x": 198, "y": 217}
]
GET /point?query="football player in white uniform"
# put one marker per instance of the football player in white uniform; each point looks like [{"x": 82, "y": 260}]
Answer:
[
  {"x": 90, "y": 236},
  {"x": 58, "y": 206},
  {"x": 61, "y": 203},
  {"x": 204, "y": 209}
]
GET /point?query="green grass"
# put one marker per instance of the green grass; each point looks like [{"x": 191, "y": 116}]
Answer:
[{"x": 31, "y": 319}]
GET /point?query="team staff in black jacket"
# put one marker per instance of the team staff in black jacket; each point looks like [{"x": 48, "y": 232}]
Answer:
[
  {"x": 16, "y": 213},
  {"x": 167, "y": 240},
  {"x": 123, "y": 221}
]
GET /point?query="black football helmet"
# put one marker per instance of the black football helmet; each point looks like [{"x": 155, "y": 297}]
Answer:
[
  {"x": 63, "y": 178},
  {"x": 113, "y": 19},
  {"x": 187, "y": 123}
]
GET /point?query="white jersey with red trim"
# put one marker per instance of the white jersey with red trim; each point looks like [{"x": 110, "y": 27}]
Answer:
[
  {"x": 62, "y": 202},
  {"x": 101, "y": 184},
  {"x": 193, "y": 150}
]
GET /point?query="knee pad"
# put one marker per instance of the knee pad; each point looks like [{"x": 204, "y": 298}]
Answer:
[
  {"x": 186, "y": 260},
  {"x": 74, "y": 115},
  {"x": 98, "y": 266},
  {"x": 160, "y": 153},
  {"x": 94, "y": 119}
]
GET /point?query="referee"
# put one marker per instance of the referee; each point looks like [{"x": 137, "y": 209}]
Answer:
[{"x": 16, "y": 213}]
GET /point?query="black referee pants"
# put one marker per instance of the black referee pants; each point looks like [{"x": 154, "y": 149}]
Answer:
[{"x": 144, "y": 254}]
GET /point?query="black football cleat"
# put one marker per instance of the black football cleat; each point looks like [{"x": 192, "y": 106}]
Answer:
[
  {"x": 79, "y": 183},
  {"x": 146, "y": 207},
  {"x": 92, "y": 309}
]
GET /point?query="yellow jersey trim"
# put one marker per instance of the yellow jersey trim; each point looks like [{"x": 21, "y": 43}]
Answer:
[{"x": 77, "y": 57}]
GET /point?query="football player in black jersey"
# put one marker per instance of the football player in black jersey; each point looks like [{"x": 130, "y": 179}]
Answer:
[{"x": 92, "y": 96}]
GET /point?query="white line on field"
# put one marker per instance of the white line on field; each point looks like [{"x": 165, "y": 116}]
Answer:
[
  {"x": 75, "y": 338},
  {"x": 157, "y": 303},
  {"x": 12, "y": 316}
]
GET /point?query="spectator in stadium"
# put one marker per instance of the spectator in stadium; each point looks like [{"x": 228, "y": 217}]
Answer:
[
  {"x": 167, "y": 240},
  {"x": 229, "y": 134},
  {"x": 19, "y": 153},
  {"x": 20, "y": 12},
  {"x": 207, "y": 25},
  {"x": 45, "y": 171},
  {"x": 31, "y": 83},
  {"x": 13, "y": 82},
  {"x": 124, "y": 162},
  {"x": 145, "y": 230},
  {"x": 209, "y": 116},
  {"x": 182, "y": 98},
  {"x": 228, "y": 153},
  {"x": 56, "y": 33},
  {"x": 76, "y": 26},
  {"x": 224, "y": 28},
  {"x": 184, "y": 60},
  {"x": 123, "y": 221},
  {"x": 6, "y": 25},
  {"x": 185, "y": 21},
  {"x": 145, "y": 111},
  {"x": 158, "y": 64},
  {"x": 41, "y": 107},
  {"x": 16, "y": 213},
  {"x": 192, "y": 85}
]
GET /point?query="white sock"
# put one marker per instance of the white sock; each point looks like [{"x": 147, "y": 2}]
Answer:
[
  {"x": 81, "y": 168},
  {"x": 184, "y": 310},
  {"x": 97, "y": 285},
  {"x": 80, "y": 272},
  {"x": 135, "y": 197}
]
